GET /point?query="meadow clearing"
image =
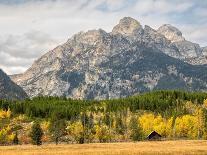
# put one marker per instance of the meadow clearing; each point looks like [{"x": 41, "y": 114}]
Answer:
[{"x": 181, "y": 147}]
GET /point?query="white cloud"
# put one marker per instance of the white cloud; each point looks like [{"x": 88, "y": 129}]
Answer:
[
  {"x": 161, "y": 6},
  {"x": 30, "y": 29},
  {"x": 19, "y": 51},
  {"x": 12, "y": 70},
  {"x": 195, "y": 33}
]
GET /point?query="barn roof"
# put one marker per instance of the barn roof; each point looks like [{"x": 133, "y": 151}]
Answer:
[{"x": 153, "y": 134}]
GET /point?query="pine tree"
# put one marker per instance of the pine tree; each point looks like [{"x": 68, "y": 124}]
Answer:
[
  {"x": 36, "y": 134},
  {"x": 120, "y": 128},
  {"x": 16, "y": 140}
]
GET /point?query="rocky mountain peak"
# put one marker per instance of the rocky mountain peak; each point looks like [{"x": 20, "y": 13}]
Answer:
[
  {"x": 126, "y": 26},
  {"x": 171, "y": 33},
  {"x": 131, "y": 59},
  {"x": 91, "y": 37}
]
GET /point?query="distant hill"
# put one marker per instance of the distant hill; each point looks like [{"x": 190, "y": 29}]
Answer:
[{"x": 8, "y": 89}]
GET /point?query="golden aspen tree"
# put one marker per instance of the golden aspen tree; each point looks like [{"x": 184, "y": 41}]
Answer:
[
  {"x": 186, "y": 126},
  {"x": 146, "y": 123},
  {"x": 76, "y": 130},
  {"x": 200, "y": 122},
  {"x": 205, "y": 103}
]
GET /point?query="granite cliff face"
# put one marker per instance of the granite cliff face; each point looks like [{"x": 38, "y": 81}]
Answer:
[
  {"x": 8, "y": 89},
  {"x": 171, "y": 33},
  {"x": 129, "y": 60}
]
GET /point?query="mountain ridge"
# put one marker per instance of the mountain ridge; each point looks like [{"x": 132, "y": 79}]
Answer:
[{"x": 100, "y": 65}]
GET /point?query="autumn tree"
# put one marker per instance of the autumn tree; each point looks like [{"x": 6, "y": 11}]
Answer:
[
  {"x": 103, "y": 133},
  {"x": 76, "y": 130},
  {"x": 57, "y": 127},
  {"x": 187, "y": 126},
  {"x": 135, "y": 131}
]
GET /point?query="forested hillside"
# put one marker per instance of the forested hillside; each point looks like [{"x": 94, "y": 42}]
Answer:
[{"x": 173, "y": 114}]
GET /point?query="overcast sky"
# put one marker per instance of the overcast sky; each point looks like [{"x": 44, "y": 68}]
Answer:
[{"x": 30, "y": 28}]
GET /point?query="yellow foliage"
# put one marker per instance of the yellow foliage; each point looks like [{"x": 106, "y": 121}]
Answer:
[
  {"x": 10, "y": 138},
  {"x": 191, "y": 126},
  {"x": 3, "y": 136},
  {"x": 146, "y": 123},
  {"x": 187, "y": 126},
  {"x": 169, "y": 128},
  {"x": 45, "y": 125},
  {"x": 205, "y": 103},
  {"x": 201, "y": 122},
  {"x": 6, "y": 136},
  {"x": 76, "y": 130},
  {"x": 8, "y": 113},
  {"x": 102, "y": 133},
  {"x": 5, "y": 114},
  {"x": 150, "y": 122}
]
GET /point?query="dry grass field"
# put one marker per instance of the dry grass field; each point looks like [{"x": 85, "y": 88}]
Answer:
[{"x": 140, "y": 148}]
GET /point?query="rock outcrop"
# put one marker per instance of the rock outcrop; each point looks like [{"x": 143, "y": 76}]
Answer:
[{"x": 171, "y": 33}]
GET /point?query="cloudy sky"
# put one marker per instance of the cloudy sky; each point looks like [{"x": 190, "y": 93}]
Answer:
[{"x": 29, "y": 28}]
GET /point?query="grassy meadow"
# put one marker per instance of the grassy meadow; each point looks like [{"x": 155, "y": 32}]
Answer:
[{"x": 181, "y": 147}]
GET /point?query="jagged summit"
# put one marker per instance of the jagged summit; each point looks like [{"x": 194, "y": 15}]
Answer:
[
  {"x": 126, "y": 26},
  {"x": 90, "y": 37},
  {"x": 171, "y": 33},
  {"x": 131, "y": 59}
]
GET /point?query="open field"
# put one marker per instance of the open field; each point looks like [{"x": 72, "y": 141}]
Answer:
[{"x": 181, "y": 147}]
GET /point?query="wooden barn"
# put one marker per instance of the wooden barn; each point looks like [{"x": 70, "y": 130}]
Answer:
[{"x": 154, "y": 136}]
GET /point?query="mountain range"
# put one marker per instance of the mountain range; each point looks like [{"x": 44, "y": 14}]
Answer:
[{"x": 129, "y": 60}]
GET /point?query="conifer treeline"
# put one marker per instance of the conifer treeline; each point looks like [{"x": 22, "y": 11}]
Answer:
[{"x": 163, "y": 102}]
